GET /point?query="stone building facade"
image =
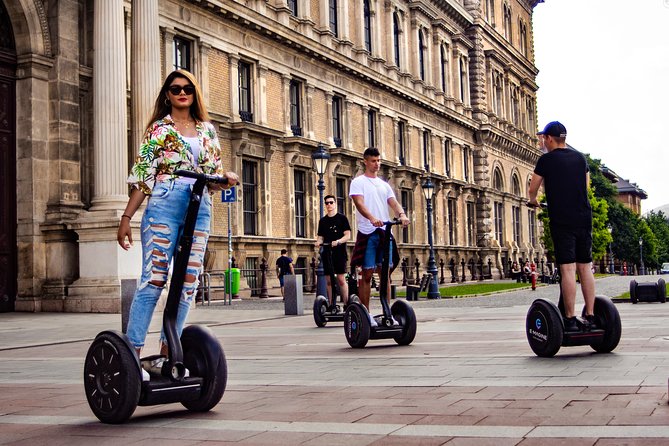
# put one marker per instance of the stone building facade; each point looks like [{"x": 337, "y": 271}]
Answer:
[{"x": 444, "y": 88}]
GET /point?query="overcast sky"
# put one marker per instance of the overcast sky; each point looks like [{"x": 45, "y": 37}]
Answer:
[{"x": 604, "y": 73}]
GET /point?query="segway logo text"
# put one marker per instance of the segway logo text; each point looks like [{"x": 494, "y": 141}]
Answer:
[{"x": 538, "y": 335}]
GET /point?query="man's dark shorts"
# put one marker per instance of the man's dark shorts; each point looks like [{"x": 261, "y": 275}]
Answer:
[
  {"x": 339, "y": 263},
  {"x": 572, "y": 245}
]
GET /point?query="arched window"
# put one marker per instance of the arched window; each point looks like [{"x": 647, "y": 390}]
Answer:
[
  {"x": 444, "y": 68},
  {"x": 497, "y": 182},
  {"x": 490, "y": 11},
  {"x": 396, "y": 38},
  {"x": 367, "y": 16},
  {"x": 421, "y": 55},
  {"x": 516, "y": 185},
  {"x": 463, "y": 79},
  {"x": 507, "y": 22}
]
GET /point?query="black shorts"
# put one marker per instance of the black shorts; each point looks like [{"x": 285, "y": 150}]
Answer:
[
  {"x": 572, "y": 245},
  {"x": 339, "y": 264}
]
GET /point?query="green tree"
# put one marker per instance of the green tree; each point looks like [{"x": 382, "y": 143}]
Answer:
[
  {"x": 601, "y": 186},
  {"x": 659, "y": 225},
  {"x": 600, "y": 234}
]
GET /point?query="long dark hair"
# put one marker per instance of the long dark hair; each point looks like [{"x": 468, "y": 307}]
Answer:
[{"x": 162, "y": 106}]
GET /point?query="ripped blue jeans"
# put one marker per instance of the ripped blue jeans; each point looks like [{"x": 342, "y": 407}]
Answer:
[{"x": 162, "y": 225}]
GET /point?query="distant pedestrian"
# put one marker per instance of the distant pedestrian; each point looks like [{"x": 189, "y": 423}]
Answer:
[{"x": 284, "y": 267}]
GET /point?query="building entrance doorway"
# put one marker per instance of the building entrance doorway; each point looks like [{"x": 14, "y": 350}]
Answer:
[{"x": 8, "y": 245}]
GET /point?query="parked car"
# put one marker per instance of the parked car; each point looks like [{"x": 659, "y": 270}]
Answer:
[{"x": 665, "y": 268}]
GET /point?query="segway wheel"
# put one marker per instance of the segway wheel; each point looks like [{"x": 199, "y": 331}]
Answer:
[
  {"x": 608, "y": 318},
  {"x": 661, "y": 291},
  {"x": 544, "y": 328},
  {"x": 320, "y": 308},
  {"x": 356, "y": 325},
  {"x": 204, "y": 358},
  {"x": 404, "y": 314},
  {"x": 112, "y": 378},
  {"x": 353, "y": 298},
  {"x": 633, "y": 298}
]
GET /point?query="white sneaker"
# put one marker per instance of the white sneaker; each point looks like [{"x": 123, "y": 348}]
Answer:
[
  {"x": 372, "y": 321},
  {"x": 145, "y": 375}
]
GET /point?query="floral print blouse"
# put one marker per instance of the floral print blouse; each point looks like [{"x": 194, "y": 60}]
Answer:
[{"x": 164, "y": 150}]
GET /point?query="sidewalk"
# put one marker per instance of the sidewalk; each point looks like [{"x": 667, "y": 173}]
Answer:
[{"x": 469, "y": 378}]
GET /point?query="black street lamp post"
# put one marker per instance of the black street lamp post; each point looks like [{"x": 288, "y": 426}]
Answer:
[
  {"x": 320, "y": 158},
  {"x": 433, "y": 288},
  {"x": 641, "y": 268},
  {"x": 612, "y": 267}
]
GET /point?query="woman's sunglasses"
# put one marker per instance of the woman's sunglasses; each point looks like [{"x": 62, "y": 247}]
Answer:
[{"x": 177, "y": 89}]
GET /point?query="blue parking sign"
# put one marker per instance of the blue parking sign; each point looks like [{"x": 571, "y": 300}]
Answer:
[{"x": 229, "y": 195}]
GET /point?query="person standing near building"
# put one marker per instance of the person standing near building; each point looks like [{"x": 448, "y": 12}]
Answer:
[
  {"x": 334, "y": 230},
  {"x": 372, "y": 196},
  {"x": 566, "y": 178},
  {"x": 178, "y": 136},
  {"x": 284, "y": 267}
]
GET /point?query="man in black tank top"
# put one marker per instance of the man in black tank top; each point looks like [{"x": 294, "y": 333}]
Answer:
[{"x": 565, "y": 175}]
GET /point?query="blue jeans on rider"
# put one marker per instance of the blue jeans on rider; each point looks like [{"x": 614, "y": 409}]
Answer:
[
  {"x": 161, "y": 228},
  {"x": 374, "y": 252}
]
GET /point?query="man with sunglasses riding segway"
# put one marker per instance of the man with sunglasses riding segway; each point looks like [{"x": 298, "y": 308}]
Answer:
[{"x": 334, "y": 231}]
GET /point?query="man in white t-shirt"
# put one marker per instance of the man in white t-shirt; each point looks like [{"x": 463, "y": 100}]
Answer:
[{"x": 372, "y": 196}]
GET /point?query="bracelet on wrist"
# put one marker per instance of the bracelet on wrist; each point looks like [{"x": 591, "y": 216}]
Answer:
[{"x": 127, "y": 216}]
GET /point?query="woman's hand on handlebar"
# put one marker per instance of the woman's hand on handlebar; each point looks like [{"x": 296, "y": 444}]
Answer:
[
  {"x": 232, "y": 178},
  {"x": 533, "y": 203}
]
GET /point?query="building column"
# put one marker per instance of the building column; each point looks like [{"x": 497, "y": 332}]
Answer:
[
  {"x": 109, "y": 107},
  {"x": 168, "y": 43},
  {"x": 234, "y": 87},
  {"x": 285, "y": 80},
  {"x": 98, "y": 288},
  {"x": 347, "y": 122},
  {"x": 328, "y": 119},
  {"x": 262, "y": 94},
  {"x": 144, "y": 78},
  {"x": 309, "y": 110},
  {"x": 204, "y": 73}
]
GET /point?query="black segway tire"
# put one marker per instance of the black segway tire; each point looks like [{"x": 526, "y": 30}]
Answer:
[
  {"x": 112, "y": 378},
  {"x": 404, "y": 314},
  {"x": 356, "y": 325},
  {"x": 608, "y": 318},
  {"x": 320, "y": 308},
  {"x": 204, "y": 358},
  {"x": 633, "y": 298},
  {"x": 661, "y": 291},
  {"x": 544, "y": 328}
]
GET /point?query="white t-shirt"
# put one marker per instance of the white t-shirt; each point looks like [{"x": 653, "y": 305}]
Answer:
[
  {"x": 195, "y": 148},
  {"x": 376, "y": 193}
]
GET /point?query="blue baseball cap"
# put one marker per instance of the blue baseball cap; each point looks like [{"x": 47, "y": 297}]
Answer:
[{"x": 555, "y": 129}]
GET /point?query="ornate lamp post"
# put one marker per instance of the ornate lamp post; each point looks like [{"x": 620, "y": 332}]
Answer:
[
  {"x": 641, "y": 268},
  {"x": 433, "y": 288},
  {"x": 320, "y": 157},
  {"x": 612, "y": 267}
]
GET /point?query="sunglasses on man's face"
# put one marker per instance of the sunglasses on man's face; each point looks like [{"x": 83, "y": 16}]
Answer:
[
  {"x": 329, "y": 202},
  {"x": 177, "y": 89}
]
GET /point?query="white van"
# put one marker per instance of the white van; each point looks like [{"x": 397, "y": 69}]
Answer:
[{"x": 665, "y": 268}]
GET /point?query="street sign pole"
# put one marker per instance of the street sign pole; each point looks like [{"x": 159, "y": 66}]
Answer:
[{"x": 229, "y": 196}]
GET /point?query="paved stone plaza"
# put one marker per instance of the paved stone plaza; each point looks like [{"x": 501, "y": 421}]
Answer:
[{"x": 468, "y": 378}]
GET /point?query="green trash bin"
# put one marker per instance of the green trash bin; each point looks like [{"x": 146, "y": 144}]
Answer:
[{"x": 236, "y": 279}]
